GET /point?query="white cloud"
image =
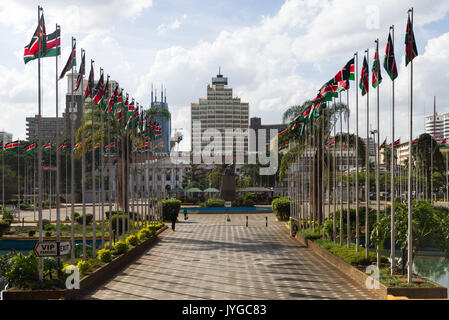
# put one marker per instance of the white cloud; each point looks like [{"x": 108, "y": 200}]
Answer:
[{"x": 175, "y": 24}]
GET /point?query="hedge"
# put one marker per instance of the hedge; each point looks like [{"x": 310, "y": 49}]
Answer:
[
  {"x": 170, "y": 206},
  {"x": 281, "y": 208}
]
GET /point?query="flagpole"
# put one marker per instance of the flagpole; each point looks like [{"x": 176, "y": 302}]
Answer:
[
  {"x": 39, "y": 137},
  {"x": 357, "y": 229},
  {"x": 58, "y": 161},
  {"x": 392, "y": 226},
  {"x": 110, "y": 183},
  {"x": 367, "y": 176},
  {"x": 102, "y": 171},
  {"x": 432, "y": 149},
  {"x": 334, "y": 191},
  {"x": 83, "y": 170},
  {"x": 133, "y": 160},
  {"x": 94, "y": 184},
  {"x": 377, "y": 149},
  {"x": 410, "y": 213},
  {"x": 348, "y": 198},
  {"x": 341, "y": 172}
]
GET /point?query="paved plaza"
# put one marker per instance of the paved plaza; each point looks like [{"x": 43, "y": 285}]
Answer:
[{"x": 208, "y": 257}]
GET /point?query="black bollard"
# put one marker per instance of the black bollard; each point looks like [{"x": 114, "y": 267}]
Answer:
[{"x": 246, "y": 220}]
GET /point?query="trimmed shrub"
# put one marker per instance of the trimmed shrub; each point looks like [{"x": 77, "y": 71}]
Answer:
[
  {"x": 170, "y": 206},
  {"x": 49, "y": 227},
  {"x": 4, "y": 227},
  {"x": 120, "y": 247},
  {"x": 104, "y": 255},
  {"x": 48, "y": 233},
  {"x": 109, "y": 213},
  {"x": 281, "y": 208},
  {"x": 83, "y": 266},
  {"x": 132, "y": 240},
  {"x": 31, "y": 233},
  {"x": 7, "y": 216},
  {"x": 143, "y": 234},
  {"x": 120, "y": 222},
  {"x": 214, "y": 202},
  {"x": 45, "y": 222},
  {"x": 24, "y": 271},
  {"x": 89, "y": 218}
]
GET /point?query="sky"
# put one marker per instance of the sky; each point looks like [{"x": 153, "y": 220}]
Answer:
[{"x": 275, "y": 54}]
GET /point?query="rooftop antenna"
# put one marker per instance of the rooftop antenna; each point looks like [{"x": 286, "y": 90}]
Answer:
[
  {"x": 151, "y": 93},
  {"x": 219, "y": 70}
]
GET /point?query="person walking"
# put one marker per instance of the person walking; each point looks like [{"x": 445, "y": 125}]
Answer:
[
  {"x": 173, "y": 217},
  {"x": 185, "y": 214}
]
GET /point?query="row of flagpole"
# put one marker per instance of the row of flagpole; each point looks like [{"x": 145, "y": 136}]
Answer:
[
  {"x": 303, "y": 192},
  {"x": 147, "y": 131}
]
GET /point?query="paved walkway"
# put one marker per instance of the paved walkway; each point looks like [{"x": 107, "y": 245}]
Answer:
[{"x": 210, "y": 258}]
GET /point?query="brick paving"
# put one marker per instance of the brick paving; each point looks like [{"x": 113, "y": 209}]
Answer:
[{"x": 210, "y": 258}]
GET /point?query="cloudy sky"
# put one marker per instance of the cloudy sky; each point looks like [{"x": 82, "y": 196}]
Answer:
[{"x": 275, "y": 53}]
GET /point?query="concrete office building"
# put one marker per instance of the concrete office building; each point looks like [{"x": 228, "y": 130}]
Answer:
[
  {"x": 48, "y": 127},
  {"x": 220, "y": 111},
  {"x": 164, "y": 123},
  {"x": 441, "y": 125},
  {"x": 5, "y": 137}
]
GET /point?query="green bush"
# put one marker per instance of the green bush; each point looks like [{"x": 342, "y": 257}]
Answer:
[
  {"x": 132, "y": 240},
  {"x": 83, "y": 266},
  {"x": 24, "y": 271},
  {"x": 145, "y": 233},
  {"x": 214, "y": 202},
  {"x": 7, "y": 216},
  {"x": 89, "y": 218},
  {"x": 45, "y": 222},
  {"x": 104, "y": 255},
  {"x": 120, "y": 247},
  {"x": 109, "y": 213},
  {"x": 281, "y": 208},
  {"x": 170, "y": 206},
  {"x": 31, "y": 233},
  {"x": 48, "y": 233},
  {"x": 49, "y": 227},
  {"x": 4, "y": 227},
  {"x": 113, "y": 221}
]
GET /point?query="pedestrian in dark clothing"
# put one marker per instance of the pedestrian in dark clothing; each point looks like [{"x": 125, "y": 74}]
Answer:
[
  {"x": 173, "y": 218},
  {"x": 185, "y": 214}
]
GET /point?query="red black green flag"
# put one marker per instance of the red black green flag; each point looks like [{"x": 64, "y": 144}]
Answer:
[
  {"x": 410, "y": 45},
  {"x": 389, "y": 60},
  {"x": 104, "y": 100},
  {"x": 383, "y": 145},
  {"x": 99, "y": 89},
  {"x": 376, "y": 76},
  {"x": 89, "y": 92},
  {"x": 81, "y": 71},
  {"x": 443, "y": 144},
  {"x": 346, "y": 73},
  {"x": 343, "y": 85},
  {"x": 12, "y": 145},
  {"x": 47, "y": 147},
  {"x": 38, "y": 43},
  {"x": 63, "y": 146},
  {"x": 29, "y": 149},
  {"x": 364, "y": 78},
  {"x": 70, "y": 62}
]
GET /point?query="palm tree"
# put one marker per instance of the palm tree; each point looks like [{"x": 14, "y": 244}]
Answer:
[{"x": 324, "y": 125}]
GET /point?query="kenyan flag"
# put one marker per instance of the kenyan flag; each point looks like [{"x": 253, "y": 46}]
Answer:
[
  {"x": 347, "y": 73},
  {"x": 383, "y": 145},
  {"x": 330, "y": 145},
  {"x": 113, "y": 99},
  {"x": 389, "y": 60},
  {"x": 77, "y": 146},
  {"x": 131, "y": 108},
  {"x": 104, "y": 100},
  {"x": 327, "y": 91},
  {"x": 63, "y": 147},
  {"x": 29, "y": 149},
  {"x": 49, "y": 168},
  {"x": 443, "y": 144},
  {"x": 99, "y": 89},
  {"x": 47, "y": 147},
  {"x": 38, "y": 43},
  {"x": 376, "y": 76},
  {"x": 283, "y": 146},
  {"x": 395, "y": 144},
  {"x": 146, "y": 146},
  {"x": 1, "y": 146},
  {"x": 364, "y": 82},
  {"x": 343, "y": 85},
  {"x": 415, "y": 142},
  {"x": 96, "y": 147},
  {"x": 81, "y": 71},
  {"x": 410, "y": 45},
  {"x": 89, "y": 92},
  {"x": 12, "y": 146},
  {"x": 110, "y": 147},
  {"x": 71, "y": 62}
]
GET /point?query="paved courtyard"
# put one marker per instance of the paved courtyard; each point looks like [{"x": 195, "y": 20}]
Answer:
[{"x": 210, "y": 258}]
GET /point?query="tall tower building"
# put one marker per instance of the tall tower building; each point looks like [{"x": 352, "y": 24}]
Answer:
[
  {"x": 220, "y": 111},
  {"x": 164, "y": 123}
]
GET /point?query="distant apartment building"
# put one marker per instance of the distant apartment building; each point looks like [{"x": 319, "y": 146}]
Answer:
[
  {"x": 438, "y": 125},
  {"x": 48, "y": 127},
  {"x": 220, "y": 111},
  {"x": 5, "y": 137}
]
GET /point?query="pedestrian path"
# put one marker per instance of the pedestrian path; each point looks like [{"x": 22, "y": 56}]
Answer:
[{"x": 208, "y": 257}]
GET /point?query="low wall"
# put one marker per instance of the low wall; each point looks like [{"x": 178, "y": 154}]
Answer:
[
  {"x": 89, "y": 282},
  {"x": 362, "y": 278}
]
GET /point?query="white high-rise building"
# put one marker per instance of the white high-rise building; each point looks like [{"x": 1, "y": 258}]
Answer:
[{"x": 441, "y": 126}]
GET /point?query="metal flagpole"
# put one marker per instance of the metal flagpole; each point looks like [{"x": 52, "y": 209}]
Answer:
[
  {"x": 72, "y": 169},
  {"x": 348, "y": 198},
  {"x": 94, "y": 185},
  {"x": 132, "y": 170},
  {"x": 110, "y": 182},
  {"x": 357, "y": 228},
  {"x": 377, "y": 151},
  {"x": 83, "y": 171},
  {"x": 410, "y": 213},
  {"x": 124, "y": 180},
  {"x": 447, "y": 179},
  {"x": 58, "y": 160},
  {"x": 39, "y": 139},
  {"x": 392, "y": 226},
  {"x": 367, "y": 177},
  {"x": 341, "y": 173},
  {"x": 335, "y": 191},
  {"x": 102, "y": 168},
  {"x": 432, "y": 149}
]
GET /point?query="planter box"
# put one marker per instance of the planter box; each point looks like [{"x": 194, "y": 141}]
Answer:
[
  {"x": 89, "y": 282},
  {"x": 361, "y": 278}
]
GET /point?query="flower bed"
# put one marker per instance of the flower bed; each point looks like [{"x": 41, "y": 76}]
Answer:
[{"x": 92, "y": 275}]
